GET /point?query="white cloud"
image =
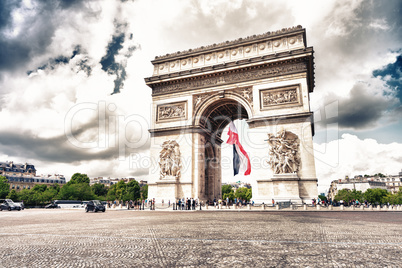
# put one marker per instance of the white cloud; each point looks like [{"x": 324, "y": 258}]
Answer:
[
  {"x": 38, "y": 103},
  {"x": 350, "y": 156}
]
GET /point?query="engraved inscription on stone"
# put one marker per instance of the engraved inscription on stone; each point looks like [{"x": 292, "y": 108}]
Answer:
[
  {"x": 279, "y": 96},
  {"x": 169, "y": 161},
  {"x": 172, "y": 111},
  {"x": 284, "y": 152}
]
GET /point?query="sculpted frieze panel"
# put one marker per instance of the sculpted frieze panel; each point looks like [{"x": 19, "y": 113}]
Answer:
[
  {"x": 169, "y": 161},
  {"x": 289, "y": 95},
  {"x": 284, "y": 152},
  {"x": 172, "y": 111},
  {"x": 269, "y": 70}
]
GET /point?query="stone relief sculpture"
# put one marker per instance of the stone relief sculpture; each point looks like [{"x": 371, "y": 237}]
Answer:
[
  {"x": 169, "y": 161},
  {"x": 199, "y": 99},
  {"x": 172, "y": 111},
  {"x": 246, "y": 93},
  {"x": 284, "y": 152},
  {"x": 279, "y": 97}
]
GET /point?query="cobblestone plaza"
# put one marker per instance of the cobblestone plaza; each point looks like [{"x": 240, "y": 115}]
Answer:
[{"x": 121, "y": 238}]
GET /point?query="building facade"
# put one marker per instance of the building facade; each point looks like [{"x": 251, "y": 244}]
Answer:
[
  {"x": 17, "y": 170},
  {"x": 390, "y": 183},
  {"x": 23, "y": 176}
]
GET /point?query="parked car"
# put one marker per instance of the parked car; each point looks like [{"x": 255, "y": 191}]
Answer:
[
  {"x": 21, "y": 204},
  {"x": 52, "y": 205},
  {"x": 9, "y": 205},
  {"x": 95, "y": 206}
]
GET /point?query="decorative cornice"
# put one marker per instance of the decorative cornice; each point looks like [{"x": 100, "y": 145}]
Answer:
[
  {"x": 267, "y": 70},
  {"x": 239, "y": 41},
  {"x": 226, "y": 65},
  {"x": 285, "y": 40}
]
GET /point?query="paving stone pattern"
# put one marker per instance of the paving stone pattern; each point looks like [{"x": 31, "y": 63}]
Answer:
[{"x": 73, "y": 238}]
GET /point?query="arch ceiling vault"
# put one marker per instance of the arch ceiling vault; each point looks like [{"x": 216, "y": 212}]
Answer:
[{"x": 265, "y": 79}]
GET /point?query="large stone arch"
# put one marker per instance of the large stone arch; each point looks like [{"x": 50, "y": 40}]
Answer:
[{"x": 265, "y": 79}]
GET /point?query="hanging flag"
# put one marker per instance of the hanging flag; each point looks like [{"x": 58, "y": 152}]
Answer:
[{"x": 241, "y": 161}]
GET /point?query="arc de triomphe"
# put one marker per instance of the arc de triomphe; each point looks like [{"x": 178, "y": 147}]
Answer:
[{"x": 265, "y": 79}]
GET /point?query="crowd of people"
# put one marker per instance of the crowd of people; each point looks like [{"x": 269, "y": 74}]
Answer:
[{"x": 353, "y": 202}]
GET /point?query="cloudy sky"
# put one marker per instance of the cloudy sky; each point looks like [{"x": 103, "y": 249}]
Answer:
[{"x": 73, "y": 97}]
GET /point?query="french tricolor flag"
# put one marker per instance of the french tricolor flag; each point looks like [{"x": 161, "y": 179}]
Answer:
[{"x": 241, "y": 161}]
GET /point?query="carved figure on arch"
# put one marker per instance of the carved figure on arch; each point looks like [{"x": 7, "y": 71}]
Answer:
[
  {"x": 169, "y": 160},
  {"x": 284, "y": 152}
]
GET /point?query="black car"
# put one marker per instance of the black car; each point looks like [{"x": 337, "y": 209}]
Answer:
[
  {"x": 9, "y": 205},
  {"x": 52, "y": 205},
  {"x": 95, "y": 206}
]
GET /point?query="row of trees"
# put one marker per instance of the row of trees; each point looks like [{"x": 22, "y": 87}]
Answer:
[
  {"x": 77, "y": 188},
  {"x": 373, "y": 196},
  {"x": 241, "y": 193}
]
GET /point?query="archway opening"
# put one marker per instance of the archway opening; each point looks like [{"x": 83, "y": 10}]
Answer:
[{"x": 214, "y": 119}]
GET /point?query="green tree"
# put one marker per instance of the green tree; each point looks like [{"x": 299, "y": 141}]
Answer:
[
  {"x": 226, "y": 189},
  {"x": 133, "y": 191},
  {"x": 39, "y": 188},
  {"x": 79, "y": 178},
  {"x": 227, "y": 192},
  {"x": 344, "y": 194},
  {"x": 27, "y": 196},
  {"x": 78, "y": 191},
  {"x": 242, "y": 193},
  {"x": 55, "y": 186},
  {"x": 50, "y": 193},
  {"x": 375, "y": 196},
  {"x": 99, "y": 189},
  {"x": 322, "y": 197},
  {"x": 111, "y": 194},
  {"x": 230, "y": 195},
  {"x": 121, "y": 190},
  {"x": 357, "y": 195},
  {"x": 13, "y": 195},
  {"x": 144, "y": 192},
  {"x": 249, "y": 194},
  {"x": 4, "y": 187}
]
